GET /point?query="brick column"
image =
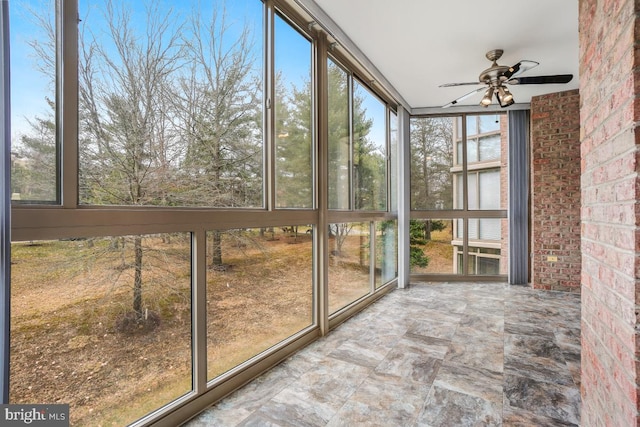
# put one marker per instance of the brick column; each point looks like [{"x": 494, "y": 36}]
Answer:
[
  {"x": 555, "y": 191},
  {"x": 610, "y": 244}
]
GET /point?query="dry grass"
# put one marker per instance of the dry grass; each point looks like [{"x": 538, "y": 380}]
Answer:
[
  {"x": 67, "y": 299},
  {"x": 440, "y": 252},
  {"x": 68, "y": 296}
]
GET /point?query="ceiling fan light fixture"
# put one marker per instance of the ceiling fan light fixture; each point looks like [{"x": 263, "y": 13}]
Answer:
[
  {"x": 505, "y": 98},
  {"x": 486, "y": 100}
]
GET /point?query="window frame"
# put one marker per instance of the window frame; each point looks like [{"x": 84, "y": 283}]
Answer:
[
  {"x": 462, "y": 214},
  {"x": 69, "y": 219}
]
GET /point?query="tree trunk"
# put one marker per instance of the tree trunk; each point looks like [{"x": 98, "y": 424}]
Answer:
[
  {"x": 137, "y": 280},
  {"x": 216, "y": 250},
  {"x": 123, "y": 257}
]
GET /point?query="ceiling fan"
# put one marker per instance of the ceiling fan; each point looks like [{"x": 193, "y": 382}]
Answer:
[{"x": 496, "y": 76}]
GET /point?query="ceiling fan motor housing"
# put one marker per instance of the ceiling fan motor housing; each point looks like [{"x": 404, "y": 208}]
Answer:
[{"x": 494, "y": 75}]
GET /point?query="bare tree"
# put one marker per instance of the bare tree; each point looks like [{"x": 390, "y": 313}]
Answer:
[
  {"x": 127, "y": 143},
  {"x": 126, "y": 80},
  {"x": 219, "y": 118},
  {"x": 220, "y": 114},
  {"x": 340, "y": 232}
]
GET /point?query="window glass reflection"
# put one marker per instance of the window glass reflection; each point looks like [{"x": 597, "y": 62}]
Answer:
[
  {"x": 489, "y": 123},
  {"x": 369, "y": 150},
  {"x": 349, "y": 267},
  {"x": 339, "y": 144},
  {"x": 293, "y": 115},
  {"x": 386, "y": 252}
]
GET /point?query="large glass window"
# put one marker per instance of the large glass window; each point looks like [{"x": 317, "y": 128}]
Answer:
[
  {"x": 486, "y": 123},
  {"x": 470, "y": 178},
  {"x": 103, "y": 324},
  {"x": 170, "y": 104},
  {"x": 259, "y": 291},
  {"x": 293, "y": 118},
  {"x": 386, "y": 245},
  {"x": 361, "y": 130},
  {"x": 169, "y": 122},
  {"x": 484, "y": 189},
  {"x": 487, "y": 245},
  {"x": 393, "y": 157},
  {"x": 369, "y": 150},
  {"x": 431, "y": 163},
  {"x": 349, "y": 268},
  {"x": 34, "y": 146},
  {"x": 339, "y": 131},
  {"x": 431, "y": 248}
]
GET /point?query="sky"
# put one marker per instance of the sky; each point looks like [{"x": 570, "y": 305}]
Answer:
[{"x": 29, "y": 87}]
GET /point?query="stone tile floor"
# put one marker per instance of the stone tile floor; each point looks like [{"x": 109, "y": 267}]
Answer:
[{"x": 445, "y": 354}]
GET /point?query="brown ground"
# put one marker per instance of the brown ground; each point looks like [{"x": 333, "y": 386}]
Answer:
[
  {"x": 440, "y": 253},
  {"x": 70, "y": 297}
]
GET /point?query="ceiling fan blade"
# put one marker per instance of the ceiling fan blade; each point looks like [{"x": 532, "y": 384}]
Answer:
[
  {"x": 461, "y": 84},
  {"x": 539, "y": 80},
  {"x": 463, "y": 97},
  {"x": 520, "y": 68}
]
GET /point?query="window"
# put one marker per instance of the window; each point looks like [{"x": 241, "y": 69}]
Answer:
[
  {"x": 482, "y": 261},
  {"x": 349, "y": 267},
  {"x": 369, "y": 150},
  {"x": 431, "y": 163},
  {"x": 103, "y": 324},
  {"x": 293, "y": 118},
  {"x": 259, "y": 291},
  {"x": 386, "y": 246},
  {"x": 339, "y": 141},
  {"x": 352, "y": 247},
  {"x": 360, "y": 145},
  {"x": 34, "y": 116},
  {"x": 483, "y": 139},
  {"x": 181, "y": 254},
  {"x": 489, "y": 148},
  {"x": 484, "y": 189},
  {"x": 393, "y": 157},
  {"x": 169, "y": 105},
  {"x": 468, "y": 183},
  {"x": 430, "y": 248}
]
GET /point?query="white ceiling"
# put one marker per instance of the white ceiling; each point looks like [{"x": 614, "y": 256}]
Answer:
[{"x": 420, "y": 44}]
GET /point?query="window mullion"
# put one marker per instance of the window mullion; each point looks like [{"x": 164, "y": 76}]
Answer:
[
  {"x": 5, "y": 208},
  {"x": 352, "y": 181},
  {"x": 269, "y": 107},
  {"x": 67, "y": 104},
  {"x": 199, "y": 310},
  {"x": 321, "y": 237},
  {"x": 465, "y": 199}
]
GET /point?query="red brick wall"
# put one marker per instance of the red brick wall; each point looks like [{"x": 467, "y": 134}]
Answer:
[
  {"x": 555, "y": 191},
  {"x": 610, "y": 244}
]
